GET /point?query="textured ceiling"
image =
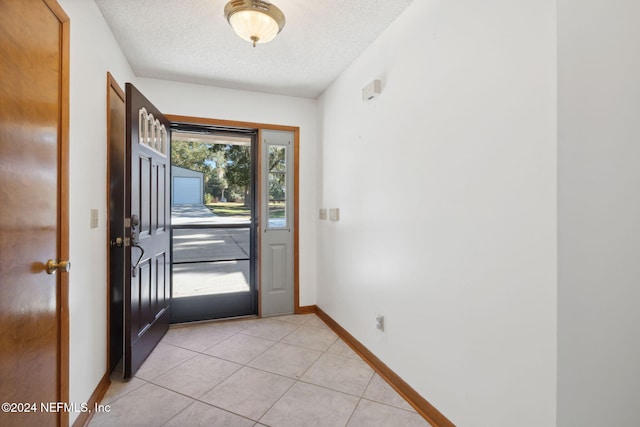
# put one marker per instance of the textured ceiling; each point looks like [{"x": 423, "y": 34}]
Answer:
[{"x": 191, "y": 41}]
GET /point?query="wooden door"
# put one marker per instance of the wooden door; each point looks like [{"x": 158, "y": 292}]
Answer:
[
  {"x": 147, "y": 228},
  {"x": 33, "y": 210}
]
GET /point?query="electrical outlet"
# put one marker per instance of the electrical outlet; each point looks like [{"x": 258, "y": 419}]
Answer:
[
  {"x": 323, "y": 213},
  {"x": 334, "y": 214},
  {"x": 380, "y": 323}
]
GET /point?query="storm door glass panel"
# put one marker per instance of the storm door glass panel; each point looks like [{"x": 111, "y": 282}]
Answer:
[
  {"x": 213, "y": 211},
  {"x": 277, "y": 176}
]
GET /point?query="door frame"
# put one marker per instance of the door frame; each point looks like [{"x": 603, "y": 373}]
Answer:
[
  {"x": 63, "y": 291},
  {"x": 296, "y": 180},
  {"x": 112, "y": 84},
  {"x": 296, "y": 183}
]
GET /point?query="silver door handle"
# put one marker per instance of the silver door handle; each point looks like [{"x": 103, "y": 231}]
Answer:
[{"x": 134, "y": 267}]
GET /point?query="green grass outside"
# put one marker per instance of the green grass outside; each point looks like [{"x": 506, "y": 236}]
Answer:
[
  {"x": 238, "y": 209},
  {"x": 276, "y": 210},
  {"x": 229, "y": 209}
]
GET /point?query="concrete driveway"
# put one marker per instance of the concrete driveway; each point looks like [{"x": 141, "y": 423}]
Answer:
[
  {"x": 200, "y": 214},
  {"x": 208, "y": 260}
]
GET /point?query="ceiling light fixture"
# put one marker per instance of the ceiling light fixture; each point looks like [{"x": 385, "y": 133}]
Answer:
[{"x": 256, "y": 21}]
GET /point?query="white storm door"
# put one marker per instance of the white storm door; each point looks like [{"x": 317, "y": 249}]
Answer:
[{"x": 277, "y": 286}]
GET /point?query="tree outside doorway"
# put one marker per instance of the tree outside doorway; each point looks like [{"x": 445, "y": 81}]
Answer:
[{"x": 227, "y": 175}]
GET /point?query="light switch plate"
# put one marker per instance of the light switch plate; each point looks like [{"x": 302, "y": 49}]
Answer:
[
  {"x": 94, "y": 218},
  {"x": 334, "y": 214},
  {"x": 323, "y": 213}
]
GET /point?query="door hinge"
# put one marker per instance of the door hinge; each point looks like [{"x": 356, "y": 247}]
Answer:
[{"x": 127, "y": 223}]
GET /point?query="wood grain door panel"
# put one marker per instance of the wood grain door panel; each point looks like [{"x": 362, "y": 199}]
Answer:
[{"x": 33, "y": 208}]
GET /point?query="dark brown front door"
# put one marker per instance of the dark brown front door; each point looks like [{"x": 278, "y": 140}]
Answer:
[
  {"x": 148, "y": 229},
  {"x": 33, "y": 211}
]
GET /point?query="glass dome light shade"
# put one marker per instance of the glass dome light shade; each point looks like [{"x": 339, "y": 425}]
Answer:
[{"x": 255, "y": 21}]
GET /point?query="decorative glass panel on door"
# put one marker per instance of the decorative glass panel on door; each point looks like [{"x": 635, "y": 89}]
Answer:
[{"x": 277, "y": 175}]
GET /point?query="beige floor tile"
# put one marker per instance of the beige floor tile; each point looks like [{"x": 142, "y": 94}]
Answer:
[
  {"x": 235, "y": 325},
  {"x": 288, "y": 360},
  {"x": 240, "y": 348},
  {"x": 270, "y": 329},
  {"x": 146, "y": 406},
  {"x": 380, "y": 391},
  {"x": 311, "y": 337},
  {"x": 309, "y": 405},
  {"x": 249, "y": 392},
  {"x": 309, "y": 378},
  {"x": 373, "y": 414},
  {"x": 198, "y": 375},
  {"x": 340, "y": 348},
  {"x": 163, "y": 358},
  {"x": 339, "y": 373},
  {"x": 200, "y": 414},
  {"x": 316, "y": 321},
  {"x": 197, "y": 337},
  {"x": 299, "y": 319},
  {"x": 119, "y": 387}
]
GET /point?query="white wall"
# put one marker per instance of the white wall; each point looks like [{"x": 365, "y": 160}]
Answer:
[
  {"x": 228, "y": 104},
  {"x": 446, "y": 186},
  {"x": 599, "y": 213},
  {"x": 94, "y": 51}
]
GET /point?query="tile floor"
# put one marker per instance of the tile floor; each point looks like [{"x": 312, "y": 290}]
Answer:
[{"x": 279, "y": 372}]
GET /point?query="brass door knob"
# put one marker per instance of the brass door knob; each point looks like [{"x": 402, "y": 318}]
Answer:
[
  {"x": 118, "y": 242},
  {"x": 55, "y": 265}
]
